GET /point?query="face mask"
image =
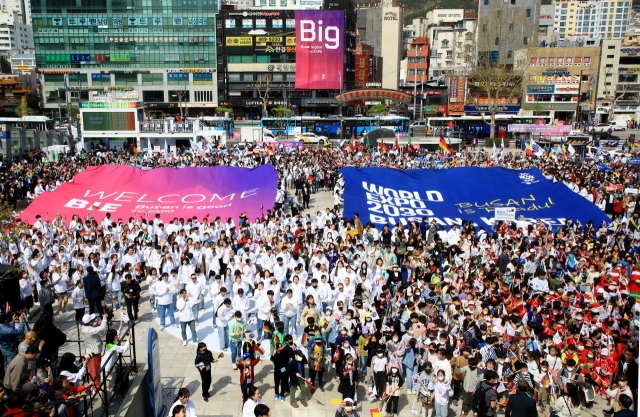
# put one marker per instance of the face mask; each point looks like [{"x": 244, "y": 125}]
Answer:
[
  {"x": 590, "y": 356},
  {"x": 440, "y": 378},
  {"x": 368, "y": 320},
  {"x": 395, "y": 339},
  {"x": 544, "y": 369},
  {"x": 571, "y": 368},
  {"x": 348, "y": 408},
  {"x": 394, "y": 370},
  {"x": 380, "y": 355},
  {"x": 290, "y": 343},
  {"x": 348, "y": 317}
]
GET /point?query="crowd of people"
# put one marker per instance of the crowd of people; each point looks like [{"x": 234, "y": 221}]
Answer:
[{"x": 520, "y": 318}]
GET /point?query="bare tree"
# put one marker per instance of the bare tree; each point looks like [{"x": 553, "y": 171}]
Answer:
[
  {"x": 263, "y": 91},
  {"x": 497, "y": 74},
  {"x": 618, "y": 89}
]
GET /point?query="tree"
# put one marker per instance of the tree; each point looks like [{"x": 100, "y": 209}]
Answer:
[
  {"x": 221, "y": 110},
  {"x": 377, "y": 110},
  {"x": 282, "y": 113},
  {"x": 23, "y": 109},
  {"x": 263, "y": 91},
  {"x": 497, "y": 75},
  {"x": 618, "y": 90},
  {"x": 72, "y": 113}
]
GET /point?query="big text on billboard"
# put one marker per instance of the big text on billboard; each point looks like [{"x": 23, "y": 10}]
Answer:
[{"x": 320, "y": 49}]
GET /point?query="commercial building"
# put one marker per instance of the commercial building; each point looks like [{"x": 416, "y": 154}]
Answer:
[
  {"x": 257, "y": 63},
  {"x": 505, "y": 27},
  {"x": 23, "y": 63},
  {"x": 368, "y": 67},
  {"x": 417, "y": 29},
  {"x": 380, "y": 25},
  {"x": 452, "y": 35},
  {"x": 547, "y": 33},
  {"x": 13, "y": 33},
  {"x": 562, "y": 81},
  {"x": 160, "y": 53},
  {"x": 618, "y": 80},
  {"x": 591, "y": 19},
  {"x": 21, "y": 7}
]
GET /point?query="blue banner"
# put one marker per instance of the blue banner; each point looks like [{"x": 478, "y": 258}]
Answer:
[{"x": 388, "y": 196}]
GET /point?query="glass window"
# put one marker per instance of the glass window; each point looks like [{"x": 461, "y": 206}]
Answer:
[
  {"x": 263, "y": 58},
  {"x": 233, "y": 77},
  {"x": 126, "y": 79},
  {"x": 152, "y": 79}
]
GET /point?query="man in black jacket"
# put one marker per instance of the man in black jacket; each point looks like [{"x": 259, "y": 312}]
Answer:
[
  {"x": 520, "y": 404},
  {"x": 629, "y": 367},
  {"x": 92, "y": 291},
  {"x": 131, "y": 290}
]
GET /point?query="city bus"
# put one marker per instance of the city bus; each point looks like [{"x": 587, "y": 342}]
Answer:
[
  {"x": 477, "y": 125},
  {"x": 217, "y": 123},
  {"x": 42, "y": 123},
  {"x": 293, "y": 126},
  {"x": 358, "y": 126},
  {"x": 332, "y": 127}
]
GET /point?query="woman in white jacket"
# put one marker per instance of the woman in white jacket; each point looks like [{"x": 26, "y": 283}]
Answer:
[
  {"x": 289, "y": 308},
  {"x": 114, "y": 285},
  {"x": 568, "y": 405},
  {"x": 185, "y": 316}
]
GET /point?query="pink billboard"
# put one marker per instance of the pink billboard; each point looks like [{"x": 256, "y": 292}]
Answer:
[{"x": 319, "y": 49}]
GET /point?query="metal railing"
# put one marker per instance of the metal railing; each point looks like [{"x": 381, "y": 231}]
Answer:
[{"x": 97, "y": 401}]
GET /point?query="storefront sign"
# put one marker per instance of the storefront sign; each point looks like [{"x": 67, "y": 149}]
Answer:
[
  {"x": 541, "y": 89},
  {"x": 239, "y": 41},
  {"x": 271, "y": 39},
  {"x": 363, "y": 95}
]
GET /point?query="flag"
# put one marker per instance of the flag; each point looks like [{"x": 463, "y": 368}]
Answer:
[
  {"x": 523, "y": 144},
  {"x": 138, "y": 268},
  {"x": 409, "y": 139},
  {"x": 599, "y": 150},
  {"x": 501, "y": 148},
  {"x": 494, "y": 154},
  {"x": 395, "y": 144},
  {"x": 571, "y": 149},
  {"x": 257, "y": 348},
  {"x": 383, "y": 147},
  {"x": 309, "y": 384},
  {"x": 444, "y": 146},
  {"x": 319, "y": 365},
  {"x": 557, "y": 339},
  {"x": 536, "y": 149},
  {"x": 367, "y": 144},
  {"x": 66, "y": 82},
  {"x": 149, "y": 152},
  {"x": 527, "y": 147},
  {"x": 304, "y": 339},
  {"x": 266, "y": 329},
  {"x": 166, "y": 149},
  {"x": 353, "y": 140},
  {"x": 196, "y": 147},
  {"x": 603, "y": 167}
]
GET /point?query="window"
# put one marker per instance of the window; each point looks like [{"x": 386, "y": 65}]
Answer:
[
  {"x": 152, "y": 79},
  {"x": 497, "y": 41},
  {"x": 203, "y": 96},
  {"x": 510, "y": 27},
  {"x": 486, "y": 2},
  {"x": 445, "y": 44},
  {"x": 509, "y": 54},
  {"x": 263, "y": 58},
  {"x": 526, "y": 40},
  {"x": 611, "y": 47},
  {"x": 362, "y": 63},
  {"x": 153, "y": 96},
  {"x": 609, "y": 56},
  {"x": 238, "y": 59},
  {"x": 361, "y": 74},
  {"x": 627, "y": 78},
  {"x": 528, "y": 11}
]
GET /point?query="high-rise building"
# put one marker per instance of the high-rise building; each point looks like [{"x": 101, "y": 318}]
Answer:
[
  {"x": 13, "y": 33},
  {"x": 368, "y": 67},
  {"x": 452, "y": 36},
  {"x": 381, "y": 27},
  {"x": 505, "y": 26},
  {"x": 162, "y": 53},
  {"x": 592, "y": 19},
  {"x": 21, "y": 7}
]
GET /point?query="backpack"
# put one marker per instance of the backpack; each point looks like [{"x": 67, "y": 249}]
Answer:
[{"x": 479, "y": 401}]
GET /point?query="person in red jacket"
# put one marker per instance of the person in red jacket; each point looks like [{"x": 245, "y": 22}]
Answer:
[{"x": 246, "y": 366}]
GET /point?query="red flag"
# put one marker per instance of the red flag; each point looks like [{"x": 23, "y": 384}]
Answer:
[
  {"x": 257, "y": 348},
  {"x": 304, "y": 339},
  {"x": 309, "y": 384},
  {"x": 383, "y": 147},
  {"x": 336, "y": 355},
  {"x": 266, "y": 329},
  {"x": 319, "y": 365},
  {"x": 395, "y": 144}
]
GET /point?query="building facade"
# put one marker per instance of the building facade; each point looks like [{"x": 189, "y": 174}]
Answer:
[
  {"x": 619, "y": 80},
  {"x": 23, "y": 63},
  {"x": 505, "y": 27},
  {"x": 13, "y": 33},
  {"x": 257, "y": 64},
  {"x": 137, "y": 50},
  {"x": 452, "y": 35},
  {"x": 592, "y": 19},
  {"x": 380, "y": 25},
  {"x": 368, "y": 66},
  {"x": 562, "y": 81}
]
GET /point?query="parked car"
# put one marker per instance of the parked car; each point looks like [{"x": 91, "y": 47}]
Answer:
[
  {"x": 464, "y": 136},
  {"x": 418, "y": 126},
  {"x": 310, "y": 137}
]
